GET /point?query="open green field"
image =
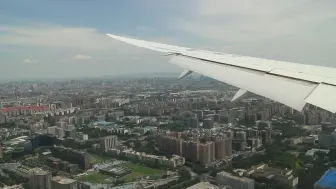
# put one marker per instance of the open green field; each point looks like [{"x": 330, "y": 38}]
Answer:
[
  {"x": 140, "y": 171},
  {"x": 94, "y": 159},
  {"x": 94, "y": 177}
]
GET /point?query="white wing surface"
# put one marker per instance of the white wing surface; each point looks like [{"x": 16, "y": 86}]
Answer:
[{"x": 292, "y": 84}]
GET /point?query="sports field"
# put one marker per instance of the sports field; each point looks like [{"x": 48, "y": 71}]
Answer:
[
  {"x": 94, "y": 177},
  {"x": 139, "y": 171}
]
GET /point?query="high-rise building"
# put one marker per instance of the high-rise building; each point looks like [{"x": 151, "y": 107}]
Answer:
[
  {"x": 223, "y": 147},
  {"x": 194, "y": 150},
  {"x": 208, "y": 123},
  {"x": 193, "y": 122},
  {"x": 207, "y": 153},
  {"x": 266, "y": 136},
  {"x": 176, "y": 146},
  {"x": 228, "y": 146},
  {"x": 39, "y": 179},
  {"x": 70, "y": 133},
  {"x": 59, "y": 182},
  {"x": 190, "y": 150},
  {"x": 1, "y": 151},
  {"x": 264, "y": 124},
  {"x": 240, "y": 136},
  {"x": 109, "y": 142}
]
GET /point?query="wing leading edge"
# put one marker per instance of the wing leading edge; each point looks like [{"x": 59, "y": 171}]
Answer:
[{"x": 289, "y": 83}]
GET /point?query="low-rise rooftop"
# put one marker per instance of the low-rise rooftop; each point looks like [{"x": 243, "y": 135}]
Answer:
[{"x": 63, "y": 180}]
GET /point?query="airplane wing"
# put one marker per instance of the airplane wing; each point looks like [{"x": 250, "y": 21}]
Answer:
[{"x": 289, "y": 83}]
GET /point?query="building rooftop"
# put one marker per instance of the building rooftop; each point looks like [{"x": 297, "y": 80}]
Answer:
[
  {"x": 328, "y": 180},
  {"x": 203, "y": 185},
  {"x": 312, "y": 151},
  {"x": 127, "y": 186},
  {"x": 62, "y": 180},
  {"x": 229, "y": 175},
  {"x": 38, "y": 171},
  {"x": 266, "y": 171},
  {"x": 104, "y": 123}
]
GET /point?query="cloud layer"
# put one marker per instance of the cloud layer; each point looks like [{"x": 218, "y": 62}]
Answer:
[
  {"x": 78, "y": 38},
  {"x": 300, "y": 31},
  {"x": 30, "y": 61},
  {"x": 54, "y": 51},
  {"x": 250, "y": 20},
  {"x": 81, "y": 57}
]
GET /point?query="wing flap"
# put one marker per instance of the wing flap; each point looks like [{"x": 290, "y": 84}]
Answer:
[
  {"x": 324, "y": 97},
  {"x": 287, "y": 91}
]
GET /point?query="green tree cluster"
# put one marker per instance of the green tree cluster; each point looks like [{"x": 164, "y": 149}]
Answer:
[{"x": 12, "y": 179}]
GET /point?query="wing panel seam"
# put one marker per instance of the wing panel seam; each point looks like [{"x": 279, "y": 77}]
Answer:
[{"x": 251, "y": 69}]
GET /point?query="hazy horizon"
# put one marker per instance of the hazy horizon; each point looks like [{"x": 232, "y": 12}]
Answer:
[{"x": 117, "y": 76}]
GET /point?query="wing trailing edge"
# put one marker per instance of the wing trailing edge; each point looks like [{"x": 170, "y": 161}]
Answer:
[
  {"x": 289, "y": 83},
  {"x": 277, "y": 88}
]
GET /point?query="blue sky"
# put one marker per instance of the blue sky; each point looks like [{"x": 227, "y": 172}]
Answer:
[{"x": 65, "y": 38}]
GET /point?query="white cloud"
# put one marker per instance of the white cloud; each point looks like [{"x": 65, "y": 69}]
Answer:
[
  {"x": 54, "y": 36},
  {"x": 298, "y": 31},
  {"x": 249, "y": 20},
  {"x": 30, "y": 61},
  {"x": 58, "y": 42},
  {"x": 81, "y": 57}
]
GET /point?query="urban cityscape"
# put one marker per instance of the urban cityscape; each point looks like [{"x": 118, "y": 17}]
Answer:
[
  {"x": 154, "y": 94},
  {"x": 157, "y": 133}
]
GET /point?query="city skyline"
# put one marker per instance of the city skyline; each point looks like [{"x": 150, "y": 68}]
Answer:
[{"x": 57, "y": 39}]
